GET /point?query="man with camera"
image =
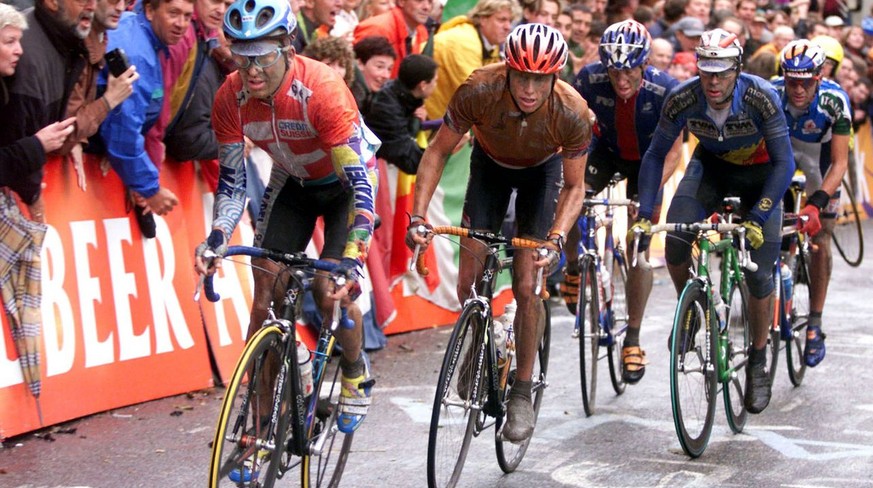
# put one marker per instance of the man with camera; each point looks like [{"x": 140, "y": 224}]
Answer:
[{"x": 144, "y": 37}]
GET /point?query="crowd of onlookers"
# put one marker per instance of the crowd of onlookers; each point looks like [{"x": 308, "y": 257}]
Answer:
[{"x": 401, "y": 59}]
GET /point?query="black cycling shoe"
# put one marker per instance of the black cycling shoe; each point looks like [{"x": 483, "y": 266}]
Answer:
[
  {"x": 146, "y": 222},
  {"x": 758, "y": 387}
]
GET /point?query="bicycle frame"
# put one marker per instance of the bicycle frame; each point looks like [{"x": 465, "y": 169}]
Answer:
[{"x": 589, "y": 224}]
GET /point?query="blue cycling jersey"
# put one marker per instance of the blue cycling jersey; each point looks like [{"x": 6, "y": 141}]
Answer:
[
  {"x": 619, "y": 127},
  {"x": 811, "y": 129},
  {"x": 754, "y": 132}
]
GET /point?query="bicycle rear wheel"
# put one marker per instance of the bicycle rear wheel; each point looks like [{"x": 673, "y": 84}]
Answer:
[
  {"x": 738, "y": 337},
  {"x": 799, "y": 317},
  {"x": 459, "y": 399},
  {"x": 248, "y": 445},
  {"x": 329, "y": 447},
  {"x": 509, "y": 455},
  {"x": 848, "y": 236},
  {"x": 617, "y": 310},
  {"x": 692, "y": 375},
  {"x": 588, "y": 322}
]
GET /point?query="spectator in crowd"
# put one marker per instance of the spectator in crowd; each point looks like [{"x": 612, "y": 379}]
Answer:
[
  {"x": 724, "y": 6},
  {"x": 746, "y": 10},
  {"x": 582, "y": 50},
  {"x": 39, "y": 92},
  {"x": 662, "y": 54},
  {"x": 867, "y": 28},
  {"x": 564, "y": 24},
  {"x": 835, "y": 25},
  {"x": 686, "y": 34},
  {"x": 315, "y": 19},
  {"x": 335, "y": 52},
  {"x": 83, "y": 103},
  {"x": 758, "y": 36},
  {"x": 346, "y": 20},
  {"x": 403, "y": 26},
  {"x": 763, "y": 64},
  {"x": 782, "y": 35},
  {"x": 143, "y": 35},
  {"x": 20, "y": 158},
  {"x": 372, "y": 8},
  {"x": 683, "y": 66},
  {"x": 540, "y": 11},
  {"x": 618, "y": 10},
  {"x": 776, "y": 18},
  {"x": 672, "y": 11},
  {"x": 644, "y": 15},
  {"x": 467, "y": 42},
  {"x": 375, "y": 62},
  {"x": 196, "y": 70},
  {"x": 698, "y": 9},
  {"x": 853, "y": 40},
  {"x": 816, "y": 28},
  {"x": 397, "y": 111}
]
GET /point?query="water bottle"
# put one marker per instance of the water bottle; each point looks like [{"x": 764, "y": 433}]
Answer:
[
  {"x": 787, "y": 281},
  {"x": 502, "y": 332},
  {"x": 720, "y": 309},
  {"x": 606, "y": 282},
  {"x": 304, "y": 363}
]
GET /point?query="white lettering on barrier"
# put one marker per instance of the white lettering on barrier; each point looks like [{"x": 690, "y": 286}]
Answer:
[
  {"x": 58, "y": 322},
  {"x": 162, "y": 294},
  {"x": 88, "y": 288},
  {"x": 130, "y": 345}
]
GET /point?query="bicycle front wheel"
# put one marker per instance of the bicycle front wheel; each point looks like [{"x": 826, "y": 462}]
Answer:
[
  {"x": 588, "y": 324},
  {"x": 617, "y": 317},
  {"x": 738, "y": 338},
  {"x": 848, "y": 236},
  {"x": 692, "y": 371},
  {"x": 509, "y": 455},
  {"x": 459, "y": 399},
  {"x": 799, "y": 317},
  {"x": 330, "y": 448},
  {"x": 248, "y": 445}
]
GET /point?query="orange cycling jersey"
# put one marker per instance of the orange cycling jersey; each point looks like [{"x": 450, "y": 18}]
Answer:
[
  {"x": 312, "y": 112},
  {"x": 484, "y": 103}
]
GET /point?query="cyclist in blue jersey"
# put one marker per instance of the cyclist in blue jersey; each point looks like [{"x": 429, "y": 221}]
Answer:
[
  {"x": 820, "y": 124},
  {"x": 744, "y": 151},
  {"x": 626, "y": 95}
]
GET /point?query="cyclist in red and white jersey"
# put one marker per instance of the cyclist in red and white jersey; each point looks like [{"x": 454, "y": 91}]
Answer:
[{"x": 302, "y": 114}]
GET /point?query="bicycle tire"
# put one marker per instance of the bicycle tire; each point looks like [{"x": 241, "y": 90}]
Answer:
[
  {"x": 693, "y": 389},
  {"x": 588, "y": 322},
  {"x": 240, "y": 427},
  {"x": 459, "y": 398},
  {"x": 799, "y": 317},
  {"x": 325, "y": 468},
  {"x": 509, "y": 455},
  {"x": 848, "y": 236},
  {"x": 617, "y": 317},
  {"x": 739, "y": 337}
]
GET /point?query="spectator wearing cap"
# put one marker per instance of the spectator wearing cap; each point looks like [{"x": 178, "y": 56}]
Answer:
[
  {"x": 686, "y": 34},
  {"x": 835, "y": 25},
  {"x": 758, "y": 36},
  {"x": 867, "y": 29}
]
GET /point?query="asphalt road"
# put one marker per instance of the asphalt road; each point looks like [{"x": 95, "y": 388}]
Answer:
[{"x": 817, "y": 435}]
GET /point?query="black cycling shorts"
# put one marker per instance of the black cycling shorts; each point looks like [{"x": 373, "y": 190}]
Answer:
[{"x": 490, "y": 187}]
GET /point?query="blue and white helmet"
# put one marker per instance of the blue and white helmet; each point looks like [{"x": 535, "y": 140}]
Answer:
[
  {"x": 802, "y": 59},
  {"x": 252, "y": 20},
  {"x": 625, "y": 45}
]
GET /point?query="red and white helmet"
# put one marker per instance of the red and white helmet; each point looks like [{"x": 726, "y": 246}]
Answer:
[{"x": 536, "y": 48}]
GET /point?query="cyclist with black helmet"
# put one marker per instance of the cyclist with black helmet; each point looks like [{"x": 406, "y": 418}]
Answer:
[
  {"x": 303, "y": 115},
  {"x": 529, "y": 127},
  {"x": 626, "y": 95},
  {"x": 744, "y": 151},
  {"x": 820, "y": 124}
]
